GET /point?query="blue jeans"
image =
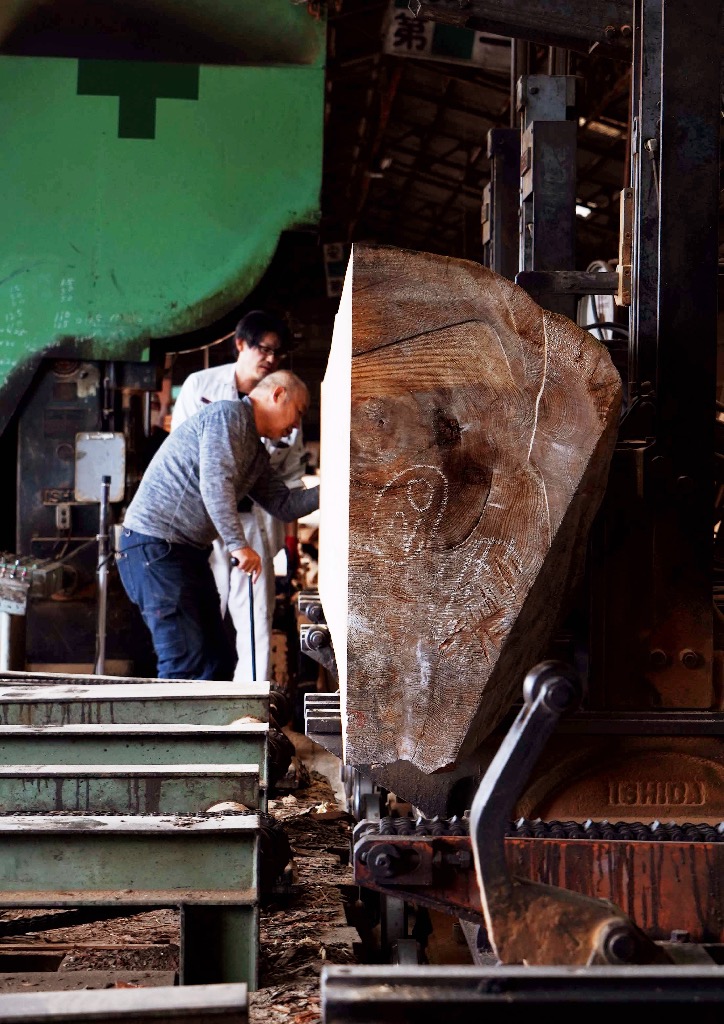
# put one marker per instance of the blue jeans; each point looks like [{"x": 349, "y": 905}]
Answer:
[{"x": 174, "y": 588}]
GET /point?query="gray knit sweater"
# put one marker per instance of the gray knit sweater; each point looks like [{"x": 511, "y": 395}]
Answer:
[{"x": 191, "y": 489}]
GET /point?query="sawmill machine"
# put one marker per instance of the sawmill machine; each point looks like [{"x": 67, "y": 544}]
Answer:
[
  {"x": 579, "y": 821},
  {"x": 146, "y": 181}
]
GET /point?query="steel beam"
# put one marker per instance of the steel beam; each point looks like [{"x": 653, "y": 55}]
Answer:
[
  {"x": 85, "y": 679},
  {"x": 136, "y": 744},
  {"x": 126, "y": 859},
  {"x": 207, "y": 865},
  {"x": 688, "y": 170},
  {"x": 127, "y": 789},
  {"x": 433, "y": 871},
  {"x": 568, "y": 282},
  {"x": 512, "y": 995},
  {"x": 165, "y": 1004},
  {"x": 573, "y": 24},
  {"x": 163, "y": 703}
]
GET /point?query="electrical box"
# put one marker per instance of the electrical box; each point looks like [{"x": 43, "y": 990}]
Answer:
[{"x": 97, "y": 455}]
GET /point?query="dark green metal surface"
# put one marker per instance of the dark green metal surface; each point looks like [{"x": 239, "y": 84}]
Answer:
[{"x": 219, "y": 942}]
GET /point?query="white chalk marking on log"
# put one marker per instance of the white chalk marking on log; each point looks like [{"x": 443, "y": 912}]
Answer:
[
  {"x": 543, "y": 383},
  {"x": 409, "y": 532}
]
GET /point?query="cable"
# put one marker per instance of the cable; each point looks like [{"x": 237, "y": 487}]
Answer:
[
  {"x": 607, "y": 325},
  {"x": 211, "y": 344}
]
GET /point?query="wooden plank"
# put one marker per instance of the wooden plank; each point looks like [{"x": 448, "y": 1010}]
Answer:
[{"x": 481, "y": 431}]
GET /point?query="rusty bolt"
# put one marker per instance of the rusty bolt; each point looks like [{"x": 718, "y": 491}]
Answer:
[
  {"x": 609, "y": 33},
  {"x": 658, "y": 659},
  {"x": 626, "y": 31},
  {"x": 690, "y": 658},
  {"x": 620, "y": 945},
  {"x": 384, "y": 861},
  {"x": 461, "y": 859}
]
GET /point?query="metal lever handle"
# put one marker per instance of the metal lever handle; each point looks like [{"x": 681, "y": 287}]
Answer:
[
  {"x": 550, "y": 689},
  {"x": 235, "y": 562}
]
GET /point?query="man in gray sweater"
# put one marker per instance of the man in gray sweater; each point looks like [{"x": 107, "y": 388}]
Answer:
[{"x": 189, "y": 495}]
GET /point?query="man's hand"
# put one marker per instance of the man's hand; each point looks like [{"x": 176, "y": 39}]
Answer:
[
  {"x": 291, "y": 546},
  {"x": 248, "y": 561}
]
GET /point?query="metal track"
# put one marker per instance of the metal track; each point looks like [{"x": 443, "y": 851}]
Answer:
[{"x": 536, "y": 829}]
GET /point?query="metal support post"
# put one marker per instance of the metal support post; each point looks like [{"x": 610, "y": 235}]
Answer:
[
  {"x": 102, "y": 577},
  {"x": 652, "y": 644},
  {"x": 548, "y": 179},
  {"x": 500, "y": 202}
]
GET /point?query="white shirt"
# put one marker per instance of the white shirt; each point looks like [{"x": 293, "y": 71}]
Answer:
[{"x": 287, "y": 456}]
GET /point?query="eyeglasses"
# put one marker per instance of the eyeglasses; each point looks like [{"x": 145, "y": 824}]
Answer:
[{"x": 275, "y": 353}]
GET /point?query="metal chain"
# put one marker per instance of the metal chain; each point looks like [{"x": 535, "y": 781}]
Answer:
[{"x": 524, "y": 828}]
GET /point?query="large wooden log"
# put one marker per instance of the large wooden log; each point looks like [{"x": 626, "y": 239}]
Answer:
[{"x": 466, "y": 440}]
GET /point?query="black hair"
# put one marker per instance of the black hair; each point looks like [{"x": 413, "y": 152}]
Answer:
[{"x": 254, "y": 325}]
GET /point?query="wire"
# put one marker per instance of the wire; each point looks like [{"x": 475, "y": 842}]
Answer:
[
  {"x": 211, "y": 344},
  {"x": 607, "y": 325}
]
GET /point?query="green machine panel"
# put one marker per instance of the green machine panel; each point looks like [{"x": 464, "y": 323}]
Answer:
[{"x": 143, "y": 199}]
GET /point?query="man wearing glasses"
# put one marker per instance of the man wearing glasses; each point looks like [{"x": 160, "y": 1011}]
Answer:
[{"x": 261, "y": 343}]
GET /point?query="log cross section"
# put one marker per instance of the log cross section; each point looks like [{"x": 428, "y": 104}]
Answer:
[{"x": 455, "y": 513}]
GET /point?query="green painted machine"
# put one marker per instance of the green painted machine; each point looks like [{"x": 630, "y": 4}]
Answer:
[
  {"x": 154, "y": 151},
  {"x": 144, "y": 198}
]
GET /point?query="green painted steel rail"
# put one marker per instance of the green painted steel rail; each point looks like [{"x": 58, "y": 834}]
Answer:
[
  {"x": 163, "y": 703},
  {"x": 206, "y": 865},
  {"x": 136, "y": 744},
  {"x": 126, "y": 789}
]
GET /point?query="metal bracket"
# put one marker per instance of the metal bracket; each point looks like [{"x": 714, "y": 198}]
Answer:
[
  {"x": 316, "y": 642},
  {"x": 310, "y": 606},
  {"x": 323, "y": 721}
]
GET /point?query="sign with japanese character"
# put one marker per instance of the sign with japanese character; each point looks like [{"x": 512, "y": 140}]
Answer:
[{"x": 408, "y": 36}]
